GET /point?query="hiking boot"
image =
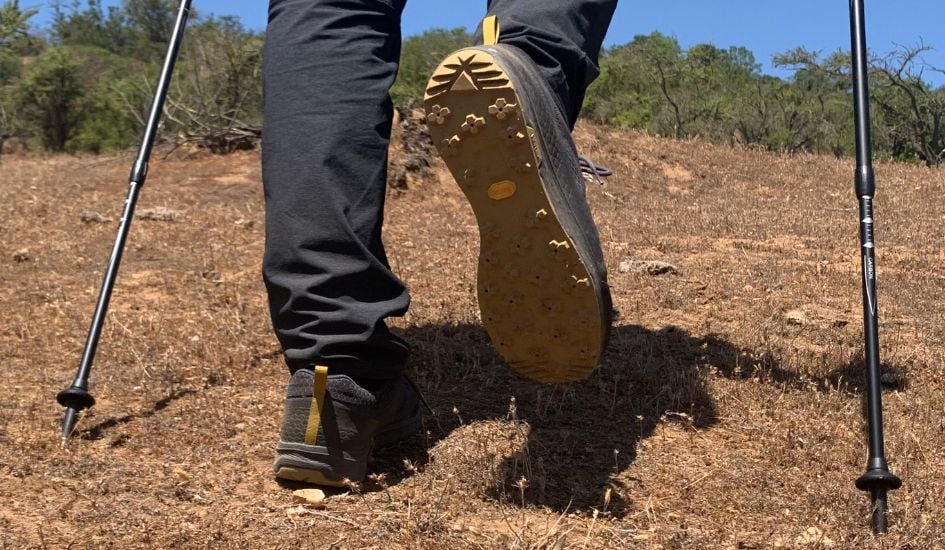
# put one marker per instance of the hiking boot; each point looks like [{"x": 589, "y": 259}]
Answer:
[
  {"x": 542, "y": 282},
  {"x": 331, "y": 424}
]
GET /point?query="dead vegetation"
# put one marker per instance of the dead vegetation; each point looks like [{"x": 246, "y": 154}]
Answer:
[{"x": 714, "y": 422}]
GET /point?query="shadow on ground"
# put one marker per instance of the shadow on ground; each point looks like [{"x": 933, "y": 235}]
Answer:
[
  {"x": 99, "y": 430},
  {"x": 581, "y": 435}
]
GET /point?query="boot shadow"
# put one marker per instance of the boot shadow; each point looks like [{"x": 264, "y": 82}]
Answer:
[{"x": 579, "y": 436}]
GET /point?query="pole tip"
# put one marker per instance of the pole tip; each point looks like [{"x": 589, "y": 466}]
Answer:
[
  {"x": 878, "y": 480},
  {"x": 68, "y": 425},
  {"x": 879, "y": 511},
  {"x": 74, "y": 399}
]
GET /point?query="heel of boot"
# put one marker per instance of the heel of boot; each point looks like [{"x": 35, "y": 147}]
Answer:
[{"x": 316, "y": 465}]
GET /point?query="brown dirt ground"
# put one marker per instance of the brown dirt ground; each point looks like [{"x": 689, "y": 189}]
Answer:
[{"x": 713, "y": 422}]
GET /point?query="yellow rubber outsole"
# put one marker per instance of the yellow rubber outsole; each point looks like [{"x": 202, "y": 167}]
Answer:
[{"x": 535, "y": 294}]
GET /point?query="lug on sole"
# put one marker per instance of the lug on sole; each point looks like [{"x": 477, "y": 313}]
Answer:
[{"x": 536, "y": 296}]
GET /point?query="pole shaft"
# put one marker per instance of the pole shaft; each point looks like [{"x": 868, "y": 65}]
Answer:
[
  {"x": 878, "y": 480},
  {"x": 865, "y": 185},
  {"x": 139, "y": 171},
  {"x": 865, "y": 179},
  {"x": 108, "y": 283},
  {"x": 139, "y": 174},
  {"x": 874, "y": 394}
]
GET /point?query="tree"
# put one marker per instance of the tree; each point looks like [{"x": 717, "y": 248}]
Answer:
[
  {"x": 153, "y": 18},
  {"x": 635, "y": 83},
  {"x": 14, "y": 25},
  {"x": 913, "y": 110},
  {"x": 49, "y": 98},
  {"x": 14, "y": 22},
  {"x": 712, "y": 80},
  {"x": 216, "y": 99},
  {"x": 813, "y": 109},
  {"x": 9, "y": 121},
  {"x": 92, "y": 26},
  {"x": 419, "y": 57},
  {"x": 662, "y": 57},
  {"x": 908, "y": 111}
]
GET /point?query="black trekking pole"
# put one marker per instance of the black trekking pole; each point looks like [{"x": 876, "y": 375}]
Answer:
[
  {"x": 77, "y": 397},
  {"x": 878, "y": 480}
]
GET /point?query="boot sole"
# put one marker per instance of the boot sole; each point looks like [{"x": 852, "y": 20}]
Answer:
[
  {"x": 319, "y": 465},
  {"x": 539, "y": 302},
  {"x": 303, "y": 475}
]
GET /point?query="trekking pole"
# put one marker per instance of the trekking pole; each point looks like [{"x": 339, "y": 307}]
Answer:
[
  {"x": 77, "y": 397},
  {"x": 878, "y": 480}
]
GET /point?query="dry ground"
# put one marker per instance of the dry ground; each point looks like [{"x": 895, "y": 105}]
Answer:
[{"x": 714, "y": 421}]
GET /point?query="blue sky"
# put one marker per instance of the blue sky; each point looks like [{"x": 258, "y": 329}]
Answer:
[{"x": 765, "y": 27}]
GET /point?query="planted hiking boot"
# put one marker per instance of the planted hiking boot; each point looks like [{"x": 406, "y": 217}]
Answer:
[
  {"x": 331, "y": 424},
  {"x": 542, "y": 282}
]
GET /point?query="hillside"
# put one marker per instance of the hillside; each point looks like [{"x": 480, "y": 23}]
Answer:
[{"x": 727, "y": 413}]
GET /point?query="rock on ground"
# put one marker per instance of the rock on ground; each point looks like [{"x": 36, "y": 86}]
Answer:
[
  {"x": 159, "y": 214},
  {"x": 648, "y": 267}
]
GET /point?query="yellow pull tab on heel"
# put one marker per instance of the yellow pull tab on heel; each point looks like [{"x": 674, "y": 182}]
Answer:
[
  {"x": 490, "y": 31},
  {"x": 318, "y": 401}
]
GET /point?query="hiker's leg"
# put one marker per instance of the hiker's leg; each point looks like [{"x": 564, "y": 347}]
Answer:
[
  {"x": 562, "y": 37},
  {"x": 327, "y": 120}
]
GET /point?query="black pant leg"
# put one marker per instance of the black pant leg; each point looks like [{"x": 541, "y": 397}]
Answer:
[
  {"x": 327, "y": 70},
  {"x": 563, "y": 37}
]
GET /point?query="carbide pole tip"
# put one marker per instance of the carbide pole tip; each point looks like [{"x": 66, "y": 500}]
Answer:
[
  {"x": 879, "y": 511},
  {"x": 68, "y": 425}
]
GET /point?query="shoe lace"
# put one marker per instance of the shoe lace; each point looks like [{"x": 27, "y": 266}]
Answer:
[{"x": 593, "y": 172}]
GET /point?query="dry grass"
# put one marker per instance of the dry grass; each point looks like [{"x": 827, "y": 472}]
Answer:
[{"x": 713, "y": 422}]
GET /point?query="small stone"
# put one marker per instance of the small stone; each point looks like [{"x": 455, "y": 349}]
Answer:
[
  {"x": 648, "y": 267},
  {"x": 315, "y": 497},
  {"x": 296, "y": 511},
  {"x": 91, "y": 216},
  {"x": 890, "y": 380},
  {"x": 159, "y": 214},
  {"x": 23, "y": 255},
  {"x": 796, "y": 317}
]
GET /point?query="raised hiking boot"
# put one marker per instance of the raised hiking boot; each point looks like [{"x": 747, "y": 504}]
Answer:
[
  {"x": 542, "y": 282},
  {"x": 331, "y": 424}
]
